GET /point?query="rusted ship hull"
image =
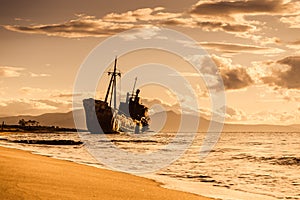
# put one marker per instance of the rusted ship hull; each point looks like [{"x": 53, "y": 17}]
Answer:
[{"x": 101, "y": 118}]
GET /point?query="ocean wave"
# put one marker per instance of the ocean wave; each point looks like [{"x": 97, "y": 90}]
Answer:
[
  {"x": 284, "y": 160},
  {"x": 133, "y": 141},
  {"x": 47, "y": 142}
]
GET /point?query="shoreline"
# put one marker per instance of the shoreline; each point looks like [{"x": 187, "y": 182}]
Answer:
[
  {"x": 196, "y": 188},
  {"x": 27, "y": 175},
  {"x": 80, "y": 155},
  {"x": 209, "y": 190}
]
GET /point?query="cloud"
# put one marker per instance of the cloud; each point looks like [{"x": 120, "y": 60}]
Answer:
[
  {"x": 179, "y": 21},
  {"x": 57, "y": 104},
  {"x": 150, "y": 103},
  {"x": 203, "y": 63},
  {"x": 146, "y": 33},
  {"x": 83, "y": 26},
  {"x": 65, "y": 95},
  {"x": 143, "y": 14},
  {"x": 12, "y": 107},
  {"x": 219, "y": 72},
  {"x": 246, "y": 7},
  {"x": 208, "y": 70},
  {"x": 274, "y": 117},
  {"x": 288, "y": 76},
  {"x": 3, "y": 89},
  {"x": 113, "y": 23},
  {"x": 290, "y": 95},
  {"x": 224, "y": 26},
  {"x": 234, "y": 114},
  {"x": 38, "y": 75},
  {"x": 230, "y": 114},
  {"x": 293, "y": 21},
  {"x": 209, "y": 24},
  {"x": 234, "y": 76},
  {"x": 240, "y": 48},
  {"x": 297, "y": 42},
  {"x": 7, "y": 71},
  {"x": 90, "y": 26},
  {"x": 241, "y": 28},
  {"x": 233, "y": 16},
  {"x": 47, "y": 93},
  {"x": 21, "y": 19},
  {"x": 210, "y": 15},
  {"x": 295, "y": 45},
  {"x": 31, "y": 90}
]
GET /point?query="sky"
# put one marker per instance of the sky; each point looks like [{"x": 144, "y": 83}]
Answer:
[{"x": 254, "y": 43}]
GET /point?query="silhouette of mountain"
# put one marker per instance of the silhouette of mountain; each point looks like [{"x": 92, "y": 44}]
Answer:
[
  {"x": 47, "y": 119},
  {"x": 173, "y": 120},
  {"x": 297, "y": 126}
]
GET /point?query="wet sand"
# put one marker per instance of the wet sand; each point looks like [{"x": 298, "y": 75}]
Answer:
[{"x": 27, "y": 176}]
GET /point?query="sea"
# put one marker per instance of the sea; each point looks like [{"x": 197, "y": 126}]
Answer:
[{"x": 241, "y": 166}]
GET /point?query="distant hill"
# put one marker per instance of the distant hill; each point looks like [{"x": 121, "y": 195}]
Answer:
[
  {"x": 166, "y": 121},
  {"x": 297, "y": 126},
  {"x": 173, "y": 120},
  {"x": 48, "y": 119}
]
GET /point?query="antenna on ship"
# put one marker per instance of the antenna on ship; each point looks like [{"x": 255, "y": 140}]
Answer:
[{"x": 112, "y": 85}]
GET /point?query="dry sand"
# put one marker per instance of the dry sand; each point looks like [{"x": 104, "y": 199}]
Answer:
[{"x": 27, "y": 176}]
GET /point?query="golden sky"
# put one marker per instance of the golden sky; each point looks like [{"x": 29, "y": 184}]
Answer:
[{"x": 254, "y": 43}]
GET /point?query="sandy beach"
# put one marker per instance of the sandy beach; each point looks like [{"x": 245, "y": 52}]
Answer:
[{"x": 27, "y": 176}]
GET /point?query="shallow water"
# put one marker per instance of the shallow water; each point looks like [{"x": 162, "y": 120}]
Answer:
[{"x": 243, "y": 165}]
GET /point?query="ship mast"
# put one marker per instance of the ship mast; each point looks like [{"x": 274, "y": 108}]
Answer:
[
  {"x": 112, "y": 87},
  {"x": 134, "y": 86}
]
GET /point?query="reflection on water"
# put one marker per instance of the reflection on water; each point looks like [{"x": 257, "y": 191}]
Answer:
[{"x": 265, "y": 163}]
